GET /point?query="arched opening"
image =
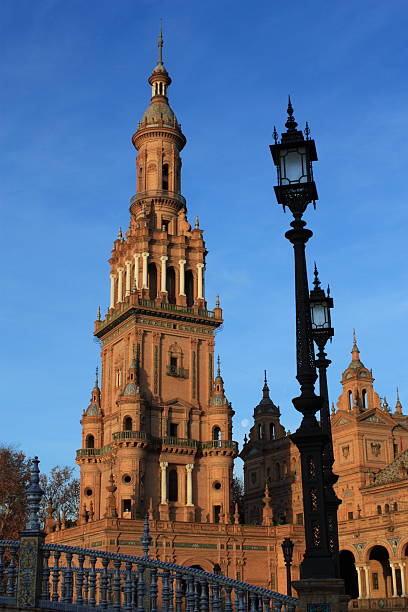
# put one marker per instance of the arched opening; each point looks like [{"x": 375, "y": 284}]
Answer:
[
  {"x": 171, "y": 285},
  {"x": 379, "y": 509},
  {"x": 271, "y": 431},
  {"x": 165, "y": 176},
  {"x": 364, "y": 395},
  {"x": 127, "y": 423},
  {"x": 395, "y": 507},
  {"x": 90, "y": 441},
  {"x": 189, "y": 287},
  {"x": 152, "y": 280},
  {"x": 387, "y": 508},
  {"x": 261, "y": 431},
  {"x": 380, "y": 572},
  {"x": 349, "y": 573},
  {"x": 173, "y": 486},
  {"x": 284, "y": 469},
  {"x": 140, "y": 183},
  {"x": 216, "y": 433},
  {"x": 350, "y": 400},
  {"x": 217, "y": 568}
]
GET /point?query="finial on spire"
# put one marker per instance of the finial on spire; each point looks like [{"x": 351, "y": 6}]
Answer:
[
  {"x": 197, "y": 223},
  {"x": 307, "y": 131},
  {"x": 217, "y": 301},
  {"x": 98, "y": 316},
  {"x": 290, "y": 124},
  {"x": 218, "y": 366},
  {"x": 333, "y": 409},
  {"x": 316, "y": 281},
  {"x": 275, "y": 134},
  {"x": 34, "y": 495},
  {"x": 160, "y": 43},
  {"x": 120, "y": 237},
  {"x": 96, "y": 377},
  {"x": 265, "y": 379}
]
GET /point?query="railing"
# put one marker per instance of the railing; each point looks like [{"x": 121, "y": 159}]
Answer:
[
  {"x": 136, "y": 435},
  {"x": 158, "y": 442},
  {"x": 202, "y": 312},
  {"x": 177, "y": 371},
  {"x": 172, "y": 441},
  {"x": 72, "y": 578},
  {"x": 220, "y": 444},
  {"x": 93, "y": 452},
  {"x": 157, "y": 193}
]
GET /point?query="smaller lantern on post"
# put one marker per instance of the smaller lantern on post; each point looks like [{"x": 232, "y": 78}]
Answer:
[
  {"x": 320, "y": 306},
  {"x": 287, "y": 549}
]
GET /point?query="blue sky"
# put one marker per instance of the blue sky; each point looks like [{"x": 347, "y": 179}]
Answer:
[{"x": 73, "y": 86}]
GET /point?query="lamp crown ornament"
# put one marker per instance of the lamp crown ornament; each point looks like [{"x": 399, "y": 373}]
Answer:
[{"x": 290, "y": 124}]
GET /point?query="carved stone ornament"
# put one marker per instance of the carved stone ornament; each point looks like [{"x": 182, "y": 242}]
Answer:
[
  {"x": 375, "y": 448},
  {"x": 346, "y": 451}
]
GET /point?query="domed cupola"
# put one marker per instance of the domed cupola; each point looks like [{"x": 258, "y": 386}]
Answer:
[
  {"x": 266, "y": 405},
  {"x": 94, "y": 407},
  {"x": 132, "y": 385},
  {"x": 218, "y": 395}
]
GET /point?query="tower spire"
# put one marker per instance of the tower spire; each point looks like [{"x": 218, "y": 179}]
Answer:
[
  {"x": 398, "y": 405},
  {"x": 355, "y": 352},
  {"x": 160, "y": 44}
]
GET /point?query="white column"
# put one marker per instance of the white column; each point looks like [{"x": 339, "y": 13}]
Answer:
[
  {"x": 144, "y": 270},
  {"x": 189, "y": 470},
  {"x": 163, "y": 260},
  {"x": 120, "y": 284},
  {"x": 127, "y": 264},
  {"x": 136, "y": 257},
  {"x": 394, "y": 580},
  {"x": 200, "y": 267},
  {"x": 360, "y": 590},
  {"x": 112, "y": 291},
  {"x": 367, "y": 581},
  {"x": 402, "y": 566},
  {"x": 163, "y": 468},
  {"x": 182, "y": 263}
]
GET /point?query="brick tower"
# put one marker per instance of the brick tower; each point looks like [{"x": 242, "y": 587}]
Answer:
[{"x": 158, "y": 434}]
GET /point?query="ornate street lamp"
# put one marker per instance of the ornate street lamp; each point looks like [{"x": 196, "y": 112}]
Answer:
[
  {"x": 322, "y": 331},
  {"x": 287, "y": 549},
  {"x": 293, "y": 157}
]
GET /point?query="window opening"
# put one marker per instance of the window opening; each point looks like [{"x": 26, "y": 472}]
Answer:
[
  {"x": 90, "y": 441},
  {"x": 173, "y": 486},
  {"x": 216, "y": 513},
  {"x": 189, "y": 287},
  {"x": 173, "y": 427},
  {"x": 165, "y": 176},
  {"x": 127, "y": 423},
  {"x": 171, "y": 285},
  {"x": 152, "y": 280}
]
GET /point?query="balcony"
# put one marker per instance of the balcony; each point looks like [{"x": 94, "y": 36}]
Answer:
[
  {"x": 177, "y": 371},
  {"x": 226, "y": 444},
  {"x": 172, "y": 441},
  {"x": 202, "y": 312},
  {"x": 130, "y": 435},
  {"x": 93, "y": 452},
  {"x": 157, "y": 193}
]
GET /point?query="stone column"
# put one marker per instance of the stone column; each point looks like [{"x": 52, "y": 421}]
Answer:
[
  {"x": 367, "y": 581},
  {"x": 200, "y": 280},
  {"x": 402, "y": 570},
  {"x": 394, "y": 580},
  {"x": 127, "y": 287},
  {"x": 136, "y": 257},
  {"x": 163, "y": 468},
  {"x": 163, "y": 260},
  {"x": 144, "y": 270},
  {"x": 189, "y": 470},
  {"x": 120, "y": 284},
  {"x": 360, "y": 590},
  {"x": 182, "y": 263},
  {"x": 112, "y": 291}
]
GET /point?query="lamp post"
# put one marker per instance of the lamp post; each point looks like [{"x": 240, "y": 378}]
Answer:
[
  {"x": 322, "y": 331},
  {"x": 287, "y": 549},
  {"x": 293, "y": 157}
]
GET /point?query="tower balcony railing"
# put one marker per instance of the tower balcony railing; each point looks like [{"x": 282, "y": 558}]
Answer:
[
  {"x": 93, "y": 452},
  {"x": 202, "y": 312},
  {"x": 177, "y": 371},
  {"x": 229, "y": 444},
  {"x": 157, "y": 193},
  {"x": 172, "y": 441},
  {"x": 133, "y": 435}
]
